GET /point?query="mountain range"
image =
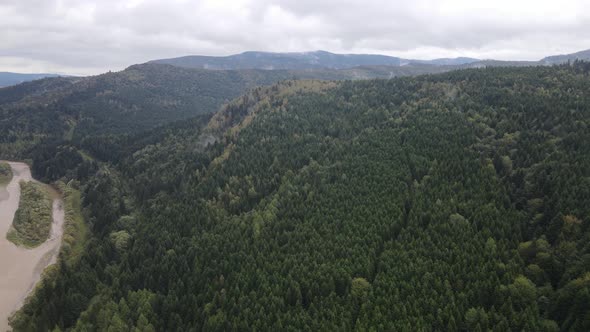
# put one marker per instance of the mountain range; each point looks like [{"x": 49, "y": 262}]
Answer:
[
  {"x": 323, "y": 60},
  {"x": 300, "y": 60},
  {"x": 360, "y": 66}
]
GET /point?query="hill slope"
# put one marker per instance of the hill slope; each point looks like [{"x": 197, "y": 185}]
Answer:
[
  {"x": 136, "y": 99},
  {"x": 559, "y": 59},
  {"x": 139, "y": 98},
  {"x": 445, "y": 202}
]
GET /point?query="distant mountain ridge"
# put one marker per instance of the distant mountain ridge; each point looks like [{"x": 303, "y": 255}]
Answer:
[
  {"x": 274, "y": 61},
  {"x": 447, "y": 61},
  {"x": 326, "y": 60},
  {"x": 8, "y": 78},
  {"x": 300, "y": 61},
  {"x": 359, "y": 65},
  {"x": 563, "y": 58}
]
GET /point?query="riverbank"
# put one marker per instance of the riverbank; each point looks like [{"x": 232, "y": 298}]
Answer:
[
  {"x": 74, "y": 238},
  {"x": 21, "y": 268}
]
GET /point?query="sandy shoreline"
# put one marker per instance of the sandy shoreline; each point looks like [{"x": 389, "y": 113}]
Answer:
[{"x": 22, "y": 268}]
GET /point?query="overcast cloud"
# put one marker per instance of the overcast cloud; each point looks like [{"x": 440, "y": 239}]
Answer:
[{"x": 89, "y": 37}]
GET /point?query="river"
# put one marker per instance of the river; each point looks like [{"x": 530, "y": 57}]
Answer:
[{"x": 20, "y": 268}]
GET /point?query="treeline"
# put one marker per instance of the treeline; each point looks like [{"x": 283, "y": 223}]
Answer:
[{"x": 448, "y": 202}]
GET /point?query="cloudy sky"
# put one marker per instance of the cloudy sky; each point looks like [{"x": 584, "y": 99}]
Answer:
[{"x": 88, "y": 37}]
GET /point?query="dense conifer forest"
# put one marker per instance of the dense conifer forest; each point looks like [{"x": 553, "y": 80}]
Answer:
[
  {"x": 101, "y": 112},
  {"x": 448, "y": 202}
]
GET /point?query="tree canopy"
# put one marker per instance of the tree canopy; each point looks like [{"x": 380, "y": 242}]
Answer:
[{"x": 456, "y": 201}]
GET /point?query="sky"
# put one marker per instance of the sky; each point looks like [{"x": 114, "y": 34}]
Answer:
[{"x": 84, "y": 37}]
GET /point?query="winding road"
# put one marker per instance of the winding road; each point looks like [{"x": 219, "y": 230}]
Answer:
[{"x": 20, "y": 268}]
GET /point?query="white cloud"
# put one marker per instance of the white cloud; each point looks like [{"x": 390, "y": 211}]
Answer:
[{"x": 87, "y": 37}]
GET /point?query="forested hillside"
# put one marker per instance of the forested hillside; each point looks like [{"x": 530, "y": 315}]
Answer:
[
  {"x": 136, "y": 99},
  {"x": 68, "y": 113},
  {"x": 446, "y": 202}
]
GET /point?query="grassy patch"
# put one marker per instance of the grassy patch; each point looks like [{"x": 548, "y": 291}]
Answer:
[
  {"x": 5, "y": 173},
  {"x": 32, "y": 220},
  {"x": 75, "y": 230}
]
